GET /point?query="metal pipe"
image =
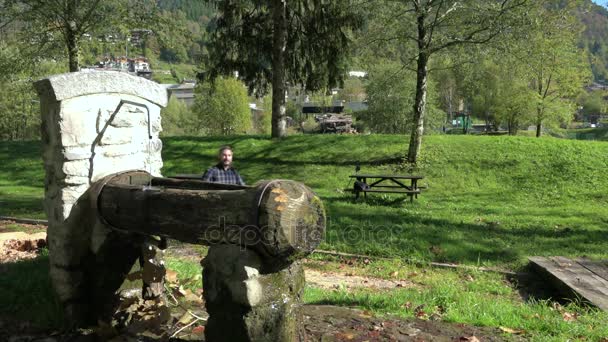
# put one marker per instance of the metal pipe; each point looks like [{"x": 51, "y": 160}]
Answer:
[{"x": 139, "y": 105}]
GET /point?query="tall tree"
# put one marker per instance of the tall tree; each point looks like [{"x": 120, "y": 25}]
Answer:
[
  {"x": 421, "y": 29},
  {"x": 44, "y": 22},
  {"x": 71, "y": 19},
  {"x": 557, "y": 68},
  {"x": 280, "y": 42}
]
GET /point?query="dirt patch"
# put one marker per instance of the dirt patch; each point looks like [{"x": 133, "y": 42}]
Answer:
[
  {"x": 332, "y": 323},
  {"x": 16, "y": 246},
  {"x": 334, "y": 280}
]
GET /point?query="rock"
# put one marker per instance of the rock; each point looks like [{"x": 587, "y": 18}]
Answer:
[{"x": 246, "y": 305}]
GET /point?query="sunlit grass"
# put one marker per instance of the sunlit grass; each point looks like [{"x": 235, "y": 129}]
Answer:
[{"x": 490, "y": 200}]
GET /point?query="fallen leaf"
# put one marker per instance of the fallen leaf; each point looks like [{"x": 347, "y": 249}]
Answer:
[
  {"x": 171, "y": 276},
  {"x": 191, "y": 297},
  {"x": 186, "y": 318},
  {"x": 435, "y": 317},
  {"x": 345, "y": 336},
  {"x": 421, "y": 314},
  {"x": 469, "y": 338},
  {"x": 198, "y": 330},
  {"x": 511, "y": 331},
  {"x": 394, "y": 274},
  {"x": 407, "y": 305},
  {"x": 570, "y": 317}
]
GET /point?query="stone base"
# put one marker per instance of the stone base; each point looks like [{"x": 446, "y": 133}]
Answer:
[{"x": 245, "y": 305}]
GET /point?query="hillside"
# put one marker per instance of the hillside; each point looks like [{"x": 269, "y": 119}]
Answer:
[
  {"x": 595, "y": 37},
  {"x": 490, "y": 200}
]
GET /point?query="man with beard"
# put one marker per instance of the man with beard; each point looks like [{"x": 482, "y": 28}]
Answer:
[{"x": 223, "y": 172}]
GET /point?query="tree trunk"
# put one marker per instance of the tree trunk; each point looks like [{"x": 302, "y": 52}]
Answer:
[
  {"x": 73, "y": 51},
  {"x": 279, "y": 44},
  {"x": 539, "y": 121},
  {"x": 421, "y": 89}
]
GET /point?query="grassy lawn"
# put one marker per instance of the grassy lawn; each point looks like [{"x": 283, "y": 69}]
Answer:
[{"x": 491, "y": 201}]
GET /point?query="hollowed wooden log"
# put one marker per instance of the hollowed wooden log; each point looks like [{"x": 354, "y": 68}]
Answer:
[{"x": 282, "y": 220}]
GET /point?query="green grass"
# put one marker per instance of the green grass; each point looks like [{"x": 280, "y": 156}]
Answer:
[
  {"x": 21, "y": 179},
  {"x": 26, "y": 294},
  {"x": 490, "y": 200},
  {"x": 455, "y": 302},
  {"x": 459, "y": 296}
]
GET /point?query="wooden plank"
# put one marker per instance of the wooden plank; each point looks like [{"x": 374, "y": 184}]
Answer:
[
  {"x": 570, "y": 276},
  {"x": 187, "y": 176},
  {"x": 387, "y": 191},
  {"x": 584, "y": 279},
  {"x": 598, "y": 267},
  {"x": 386, "y": 176},
  {"x": 392, "y": 191}
]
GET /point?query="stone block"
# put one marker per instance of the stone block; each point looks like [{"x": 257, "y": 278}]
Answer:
[
  {"x": 118, "y": 150},
  {"x": 116, "y": 136},
  {"x": 245, "y": 304},
  {"x": 76, "y": 168},
  {"x": 71, "y": 85}
]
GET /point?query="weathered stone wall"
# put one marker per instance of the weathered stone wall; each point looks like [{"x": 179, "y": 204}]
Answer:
[
  {"x": 85, "y": 138},
  {"x": 82, "y": 143}
]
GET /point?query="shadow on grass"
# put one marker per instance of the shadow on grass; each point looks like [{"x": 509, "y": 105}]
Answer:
[
  {"x": 384, "y": 231},
  {"x": 21, "y": 206},
  {"x": 22, "y": 162},
  {"x": 26, "y": 294}
]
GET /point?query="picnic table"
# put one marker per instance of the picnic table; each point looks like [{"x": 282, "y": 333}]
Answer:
[{"x": 386, "y": 184}]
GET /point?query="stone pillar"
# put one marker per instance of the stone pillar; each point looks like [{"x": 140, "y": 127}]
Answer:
[
  {"x": 245, "y": 302},
  {"x": 85, "y": 137}
]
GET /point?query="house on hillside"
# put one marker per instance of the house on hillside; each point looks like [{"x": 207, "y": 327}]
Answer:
[{"x": 183, "y": 92}]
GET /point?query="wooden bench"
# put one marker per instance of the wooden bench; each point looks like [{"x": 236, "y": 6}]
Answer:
[{"x": 386, "y": 184}]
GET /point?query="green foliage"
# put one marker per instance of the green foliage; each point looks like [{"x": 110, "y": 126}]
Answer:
[
  {"x": 262, "y": 116},
  {"x": 177, "y": 118},
  {"x": 593, "y": 103},
  {"x": 595, "y": 20},
  {"x": 556, "y": 67},
  {"x": 222, "y": 108},
  {"x": 194, "y": 9},
  {"x": 389, "y": 93},
  {"x": 353, "y": 90},
  {"x": 316, "y": 42},
  {"x": 19, "y": 105}
]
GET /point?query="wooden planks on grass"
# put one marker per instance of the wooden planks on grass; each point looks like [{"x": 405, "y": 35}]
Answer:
[{"x": 585, "y": 278}]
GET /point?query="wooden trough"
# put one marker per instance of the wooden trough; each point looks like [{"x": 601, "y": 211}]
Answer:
[{"x": 582, "y": 278}]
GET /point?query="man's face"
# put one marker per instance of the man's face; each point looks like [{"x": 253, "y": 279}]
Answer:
[{"x": 226, "y": 158}]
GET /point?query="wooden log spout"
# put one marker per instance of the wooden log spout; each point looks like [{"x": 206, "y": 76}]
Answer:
[{"x": 280, "y": 219}]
